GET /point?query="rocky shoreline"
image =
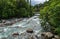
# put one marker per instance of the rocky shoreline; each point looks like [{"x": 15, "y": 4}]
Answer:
[
  {"x": 44, "y": 35},
  {"x": 49, "y": 35},
  {"x": 48, "y": 32},
  {"x": 30, "y": 35},
  {"x": 8, "y": 22}
]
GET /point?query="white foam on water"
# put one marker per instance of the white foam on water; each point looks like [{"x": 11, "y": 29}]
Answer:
[{"x": 22, "y": 26}]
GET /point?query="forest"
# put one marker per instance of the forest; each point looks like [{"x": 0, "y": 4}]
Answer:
[
  {"x": 14, "y": 8},
  {"x": 50, "y": 12}
]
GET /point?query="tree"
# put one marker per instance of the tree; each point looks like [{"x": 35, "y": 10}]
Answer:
[
  {"x": 14, "y": 8},
  {"x": 52, "y": 7}
]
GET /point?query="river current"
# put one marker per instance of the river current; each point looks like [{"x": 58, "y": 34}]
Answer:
[{"x": 21, "y": 27}]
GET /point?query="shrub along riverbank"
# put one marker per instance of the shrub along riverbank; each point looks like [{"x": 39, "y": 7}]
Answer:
[
  {"x": 50, "y": 12},
  {"x": 14, "y": 8}
]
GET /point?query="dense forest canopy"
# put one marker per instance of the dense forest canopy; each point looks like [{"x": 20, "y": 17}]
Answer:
[
  {"x": 50, "y": 12},
  {"x": 14, "y": 8}
]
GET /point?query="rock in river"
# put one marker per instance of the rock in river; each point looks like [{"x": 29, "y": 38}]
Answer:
[
  {"x": 29, "y": 30},
  {"x": 8, "y": 23},
  {"x": 15, "y": 34}
]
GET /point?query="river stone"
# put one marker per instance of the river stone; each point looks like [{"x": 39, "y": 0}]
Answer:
[
  {"x": 53, "y": 38},
  {"x": 47, "y": 35},
  {"x": 12, "y": 22},
  {"x": 29, "y": 30},
  {"x": 15, "y": 34},
  {"x": 57, "y": 37},
  {"x": 8, "y": 23}
]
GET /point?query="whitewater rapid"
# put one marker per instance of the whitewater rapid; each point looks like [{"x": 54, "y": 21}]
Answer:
[{"x": 21, "y": 27}]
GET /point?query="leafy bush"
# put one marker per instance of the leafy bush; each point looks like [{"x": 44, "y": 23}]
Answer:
[
  {"x": 14, "y": 8},
  {"x": 51, "y": 13}
]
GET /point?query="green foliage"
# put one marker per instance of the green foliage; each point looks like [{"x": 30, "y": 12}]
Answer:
[
  {"x": 57, "y": 30},
  {"x": 14, "y": 8},
  {"x": 51, "y": 13}
]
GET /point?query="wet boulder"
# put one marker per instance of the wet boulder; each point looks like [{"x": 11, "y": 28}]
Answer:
[
  {"x": 15, "y": 34},
  {"x": 29, "y": 30},
  {"x": 12, "y": 22},
  {"x": 47, "y": 35},
  {"x": 57, "y": 37},
  {"x": 8, "y": 23}
]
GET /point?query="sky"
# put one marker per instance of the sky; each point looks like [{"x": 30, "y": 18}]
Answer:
[{"x": 34, "y": 2}]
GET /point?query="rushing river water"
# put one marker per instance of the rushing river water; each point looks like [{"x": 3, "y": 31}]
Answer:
[{"x": 21, "y": 27}]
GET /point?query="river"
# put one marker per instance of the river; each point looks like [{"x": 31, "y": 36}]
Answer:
[{"x": 21, "y": 27}]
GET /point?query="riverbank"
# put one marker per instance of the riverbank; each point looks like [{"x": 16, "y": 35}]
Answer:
[
  {"x": 9, "y": 22},
  {"x": 21, "y": 27},
  {"x": 48, "y": 32},
  {"x": 49, "y": 35}
]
